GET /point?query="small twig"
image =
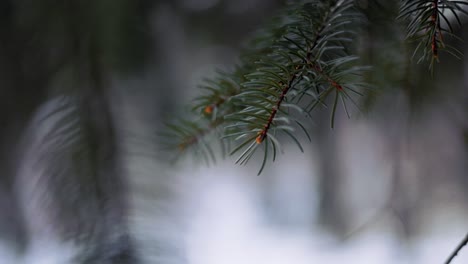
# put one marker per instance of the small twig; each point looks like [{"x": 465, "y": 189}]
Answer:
[
  {"x": 332, "y": 82},
  {"x": 263, "y": 133},
  {"x": 435, "y": 22},
  {"x": 457, "y": 250},
  {"x": 195, "y": 137}
]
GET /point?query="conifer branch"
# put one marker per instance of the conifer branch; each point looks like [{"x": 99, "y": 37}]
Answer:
[
  {"x": 184, "y": 135},
  {"x": 423, "y": 19},
  {"x": 436, "y": 26},
  {"x": 274, "y": 111},
  {"x": 192, "y": 139},
  {"x": 294, "y": 66}
]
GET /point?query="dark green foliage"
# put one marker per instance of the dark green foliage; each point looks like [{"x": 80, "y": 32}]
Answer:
[
  {"x": 293, "y": 67},
  {"x": 428, "y": 23},
  {"x": 306, "y": 58}
]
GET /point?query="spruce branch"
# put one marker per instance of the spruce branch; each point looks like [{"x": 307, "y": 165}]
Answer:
[
  {"x": 294, "y": 66},
  {"x": 427, "y": 22},
  {"x": 186, "y": 135}
]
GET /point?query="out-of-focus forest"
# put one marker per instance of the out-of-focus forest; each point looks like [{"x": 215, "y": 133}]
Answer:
[{"x": 87, "y": 85}]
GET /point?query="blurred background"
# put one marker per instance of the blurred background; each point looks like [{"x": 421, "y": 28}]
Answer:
[{"x": 386, "y": 186}]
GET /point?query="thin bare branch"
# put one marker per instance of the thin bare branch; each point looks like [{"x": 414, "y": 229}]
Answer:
[{"x": 457, "y": 249}]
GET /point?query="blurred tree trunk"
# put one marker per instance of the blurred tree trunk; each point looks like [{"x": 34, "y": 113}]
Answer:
[
  {"x": 332, "y": 212},
  {"x": 23, "y": 82},
  {"x": 36, "y": 43}
]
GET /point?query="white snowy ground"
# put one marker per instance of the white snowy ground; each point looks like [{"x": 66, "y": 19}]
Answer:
[
  {"x": 214, "y": 216},
  {"x": 228, "y": 228},
  {"x": 223, "y": 223}
]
